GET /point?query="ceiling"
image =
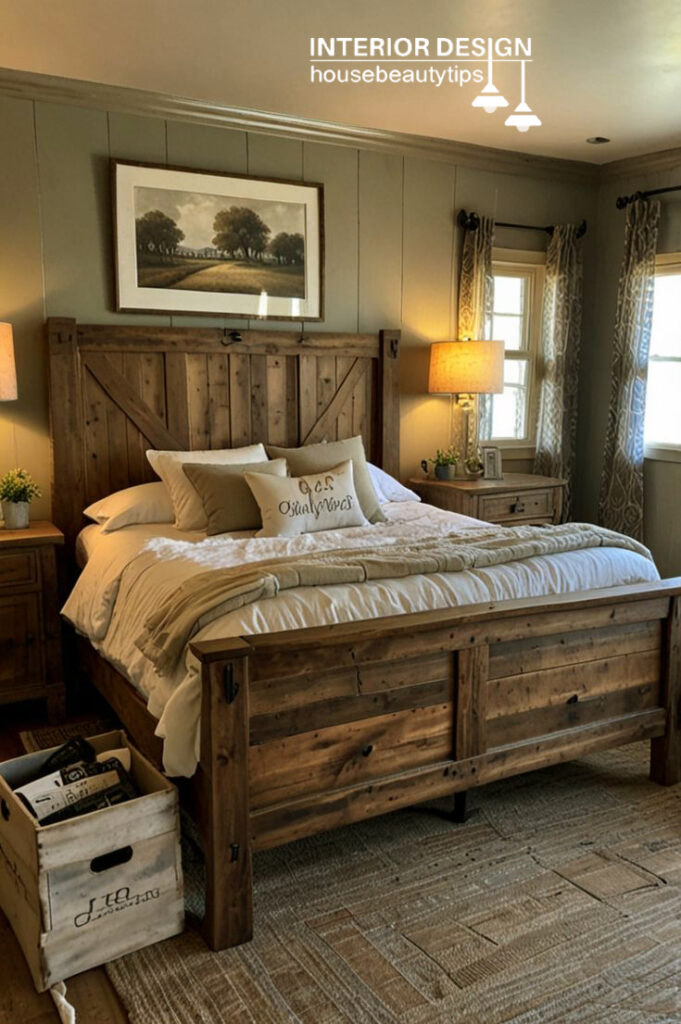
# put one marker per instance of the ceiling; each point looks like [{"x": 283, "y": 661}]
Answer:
[{"x": 600, "y": 67}]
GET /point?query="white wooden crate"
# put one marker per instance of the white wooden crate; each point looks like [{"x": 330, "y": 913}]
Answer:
[{"x": 70, "y": 911}]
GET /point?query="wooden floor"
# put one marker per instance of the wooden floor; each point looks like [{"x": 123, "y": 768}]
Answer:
[{"x": 91, "y": 993}]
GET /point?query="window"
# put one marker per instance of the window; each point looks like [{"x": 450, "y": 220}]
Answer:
[
  {"x": 662, "y": 421},
  {"x": 510, "y": 419}
]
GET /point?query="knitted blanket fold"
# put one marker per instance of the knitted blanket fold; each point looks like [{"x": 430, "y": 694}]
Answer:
[{"x": 166, "y": 633}]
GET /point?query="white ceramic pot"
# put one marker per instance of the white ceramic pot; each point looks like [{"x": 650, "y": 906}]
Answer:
[{"x": 15, "y": 514}]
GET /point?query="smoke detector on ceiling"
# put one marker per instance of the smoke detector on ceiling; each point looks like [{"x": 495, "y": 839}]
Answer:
[{"x": 598, "y": 140}]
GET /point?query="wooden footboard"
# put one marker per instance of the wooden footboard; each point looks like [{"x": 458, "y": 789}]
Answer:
[{"x": 308, "y": 730}]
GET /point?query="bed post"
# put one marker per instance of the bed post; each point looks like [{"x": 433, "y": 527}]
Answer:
[
  {"x": 223, "y": 792},
  {"x": 67, "y": 427},
  {"x": 389, "y": 404},
  {"x": 665, "y": 752}
]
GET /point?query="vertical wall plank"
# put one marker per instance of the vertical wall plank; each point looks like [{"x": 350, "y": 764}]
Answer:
[
  {"x": 73, "y": 164},
  {"x": 218, "y": 391},
  {"x": 206, "y": 148},
  {"x": 326, "y": 389},
  {"x": 307, "y": 386},
  {"x": 132, "y": 137},
  {"x": 272, "y": 157},
  {"x": 276, "y": 399},
  {"x": 176, "y": 384},
  {"x": 336, "y": 167},
  {"x": 199, "y": 405},
  {"x": 380, "y": 241},
  {"x": 240, "y": 399},
  {"x": 259, "y": 397},
  {"x": 427, "y": 298},
  {"x": 23, "y": 423}
]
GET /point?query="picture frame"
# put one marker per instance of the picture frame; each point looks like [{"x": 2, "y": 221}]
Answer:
[
  {"x": 492, "y": 463},
  {"x": 215, "y": 244}
]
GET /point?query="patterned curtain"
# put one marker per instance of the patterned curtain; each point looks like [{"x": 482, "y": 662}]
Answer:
[
  {"x": 476, "y": 301},
  {"x": 560, "y": 340},
  {"x": 621, "y": 501}
]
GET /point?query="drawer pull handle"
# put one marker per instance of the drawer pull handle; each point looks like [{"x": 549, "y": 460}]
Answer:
[
  {"x": 518, "y": 508},
  {"x": 367, "y": 749}
]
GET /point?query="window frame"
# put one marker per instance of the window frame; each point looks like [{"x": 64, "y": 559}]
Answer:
[
  {"x": 665, "y": 263},
  {"x": 531, "y": 264}
]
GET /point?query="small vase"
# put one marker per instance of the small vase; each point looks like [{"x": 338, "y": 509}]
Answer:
[
  {"x": 15, "y": 514},
  {"x": 445, "y": 472}
]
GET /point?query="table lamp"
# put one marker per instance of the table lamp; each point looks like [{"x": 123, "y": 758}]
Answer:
[
  {"x": 8, "y": 371},
  {"x": 466, "y": 368}
]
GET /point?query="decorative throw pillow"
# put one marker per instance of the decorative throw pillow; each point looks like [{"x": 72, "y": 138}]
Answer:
[
  {"x": 145, "y": 503},
  {"x": 189, "y": 514},
  {"x": 307, "y": 504},
  {"x": 227, "y": 499},
  {"x": 314, "y": 458},
  {"x": 388, "y": 488}
]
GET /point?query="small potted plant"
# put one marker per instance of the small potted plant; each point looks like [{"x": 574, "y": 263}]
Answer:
[
  {"x": 445, "y": 462},
  {"x": 17, "y": 491},
  {"x": 473, "y": 464}
]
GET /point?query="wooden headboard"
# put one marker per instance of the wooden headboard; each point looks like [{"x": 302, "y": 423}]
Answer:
[{"x": 117, "y": 390}]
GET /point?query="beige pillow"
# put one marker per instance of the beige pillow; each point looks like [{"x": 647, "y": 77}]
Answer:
[
  {"x": 189, "y": 514},
  {"x": 313, "y": 458},
  {"x": 227, "y": 499},
  {"x": 307, "y": 504},
  {"x": 145, "y": 503}
]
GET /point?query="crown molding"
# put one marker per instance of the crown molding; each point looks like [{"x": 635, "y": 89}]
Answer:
[
  {"x": 647, "y": 163},
  {"x": 29, "y": 85}
]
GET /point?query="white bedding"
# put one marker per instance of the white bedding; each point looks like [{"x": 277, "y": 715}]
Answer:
[{"x": 111, "y": 599}]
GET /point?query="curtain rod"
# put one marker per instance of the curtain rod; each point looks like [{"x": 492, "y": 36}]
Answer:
[
  {"x": 471, "y": 222},
  {"x": 623, "y": 201}
]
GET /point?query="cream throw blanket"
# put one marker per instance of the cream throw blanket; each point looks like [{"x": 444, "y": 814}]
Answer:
[{"x": 166, "y": 632}]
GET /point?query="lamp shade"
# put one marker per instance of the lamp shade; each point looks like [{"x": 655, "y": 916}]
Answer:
[
  {"x": 466, "y": 367},
  {"x": 8, "y": 372}
]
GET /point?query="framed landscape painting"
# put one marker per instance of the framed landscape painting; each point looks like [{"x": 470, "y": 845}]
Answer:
[{"x": 202, "y": 242}]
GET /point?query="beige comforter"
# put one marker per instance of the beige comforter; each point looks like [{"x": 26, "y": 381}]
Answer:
[{"x": 166, "y": 632}]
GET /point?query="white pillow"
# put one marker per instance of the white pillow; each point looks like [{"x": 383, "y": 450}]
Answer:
[
  {"x": 189, "y": 513},
  {"x": 388, "y": 488},
  {"x": 307, "y": 504},
  {"x": 145, "y": 503}
]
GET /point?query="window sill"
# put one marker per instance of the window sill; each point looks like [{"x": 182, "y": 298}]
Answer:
[{"x": 662, "y": 453}]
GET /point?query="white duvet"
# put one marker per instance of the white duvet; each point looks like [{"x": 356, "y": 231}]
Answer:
[{"x": 114, "y": 596}]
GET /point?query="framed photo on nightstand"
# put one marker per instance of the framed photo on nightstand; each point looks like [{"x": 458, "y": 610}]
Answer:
[{"x": 491, "y": 462}]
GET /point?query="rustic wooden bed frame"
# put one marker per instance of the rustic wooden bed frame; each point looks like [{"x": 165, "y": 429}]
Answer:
[{"x": 311, "y": 729}]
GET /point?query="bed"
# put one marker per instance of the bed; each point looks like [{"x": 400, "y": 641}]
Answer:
[{"x": 306, "y": 729}]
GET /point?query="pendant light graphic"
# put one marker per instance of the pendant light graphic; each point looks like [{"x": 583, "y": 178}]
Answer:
[
  {"x": 522, "y": 117},
  {"x": 490, "y": 99}
]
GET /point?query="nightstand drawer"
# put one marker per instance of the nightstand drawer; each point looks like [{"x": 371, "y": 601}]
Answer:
[
  {"x": 17, "y": 569},
  {"x": 20, "y": 643},
  {"x": 524, "y": 505}
]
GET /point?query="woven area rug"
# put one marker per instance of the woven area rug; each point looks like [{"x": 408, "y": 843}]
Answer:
[{"x": 559, "y": 901}]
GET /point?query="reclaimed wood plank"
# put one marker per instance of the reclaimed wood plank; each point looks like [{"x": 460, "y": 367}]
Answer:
[
  {"x": 318, "y": 812},
  {"x": 471, "y": 702},
  {"x": 223, "y": 805},
  {"x": 333, "y": 757},
  {"x": 547, "y": 687},
  {"x": 336, "y": 711},
  {"x": 665, "y": 756}
]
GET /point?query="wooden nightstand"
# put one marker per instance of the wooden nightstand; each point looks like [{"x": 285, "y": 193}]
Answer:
[
  {"x": 520, "y": 498},
  {"x": 30, "y": 627}
]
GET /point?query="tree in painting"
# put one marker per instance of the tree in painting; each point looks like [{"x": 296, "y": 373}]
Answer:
[
  {"x": 288, "y": 248},
  {"x": 157, "y": 234},
  {"x": 240, "y": 230}
]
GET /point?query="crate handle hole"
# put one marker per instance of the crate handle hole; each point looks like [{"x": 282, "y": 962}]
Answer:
[
  {"x": 4, "y": 810},
  {"x": 111, "y": 860}
]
